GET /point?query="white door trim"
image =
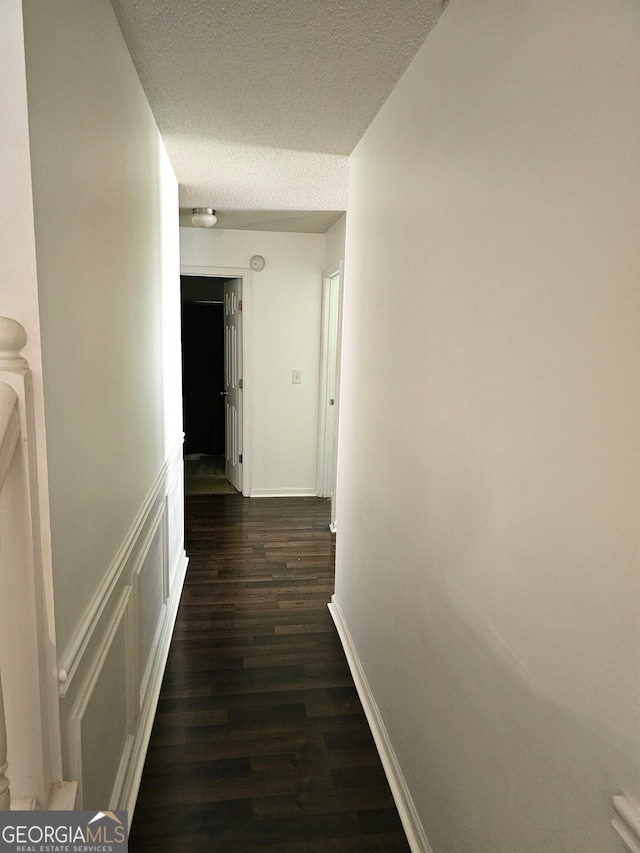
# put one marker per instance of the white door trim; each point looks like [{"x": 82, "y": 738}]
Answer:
[
  {"x": 330, "y": 347},
  {"x": 233, "y": 381},
  {"x": 243, "y": 273}
]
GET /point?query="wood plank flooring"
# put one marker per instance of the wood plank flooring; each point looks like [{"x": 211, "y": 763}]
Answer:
[{"x": 260, "y": 742}]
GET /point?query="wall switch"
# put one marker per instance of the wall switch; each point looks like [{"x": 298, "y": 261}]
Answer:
[{"x": 296, "y": 377}]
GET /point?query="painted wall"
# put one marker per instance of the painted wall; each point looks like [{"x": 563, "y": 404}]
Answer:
[
  {"x": 18, "y": 282},
  {"x": 17, "y": 241},
  {"x": 282, "y": 329},
  {"x": 106, "y": 207},
  {"x": 487, "y": 563},
  {"x": 335, "y": 243}
]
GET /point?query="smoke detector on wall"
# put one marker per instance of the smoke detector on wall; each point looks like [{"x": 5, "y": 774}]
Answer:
[
  {"x": 204, "y": 217},
  {"x": 257, "y": 263}
]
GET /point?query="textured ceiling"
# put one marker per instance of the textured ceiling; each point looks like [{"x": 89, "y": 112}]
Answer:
[{"x": 259, "y": 102}]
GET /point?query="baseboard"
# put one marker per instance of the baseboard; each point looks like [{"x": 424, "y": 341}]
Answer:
[
  {"x": 127, "y": 795},
  {"x": 284, "y": 493},
  {"x": 413, "y": 828}
]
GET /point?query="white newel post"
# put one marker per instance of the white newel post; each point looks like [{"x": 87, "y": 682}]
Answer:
[{"x": 29, "y": 711}]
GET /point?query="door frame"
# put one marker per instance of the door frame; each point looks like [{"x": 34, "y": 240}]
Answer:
[
  {"x": 327, "y": 460},
  {"x": 244, "y": 274}
]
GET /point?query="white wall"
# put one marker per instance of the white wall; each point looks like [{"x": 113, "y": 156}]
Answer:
[
  {"x": 335, "y": 243},
  {"x": 17, "y": 242},
  {"x": 106, "y": 209},
  {"x": 487, "y": 563},
  {"x": 18, "y": 282},
  {"x": 282, "y": 329}
]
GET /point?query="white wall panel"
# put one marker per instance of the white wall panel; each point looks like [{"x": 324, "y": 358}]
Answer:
[
  {"x": 174, "y": 526},
  {"x": 106, "y": 241},
  {"x": 489, "y": 502},
  {"x": 282, "y": 334},
  {"x": 122, "y": 653},
  {"x": 97, "y": 749},
  {"x": 149, "y": 587},
  {"x": 106, "y": 262}
]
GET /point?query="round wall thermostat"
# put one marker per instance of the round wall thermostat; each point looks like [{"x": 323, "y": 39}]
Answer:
[{"x": 257, "y": 263}]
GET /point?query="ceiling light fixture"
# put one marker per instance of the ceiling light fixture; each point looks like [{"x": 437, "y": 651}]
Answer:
[{"x": 204, "y": 217}]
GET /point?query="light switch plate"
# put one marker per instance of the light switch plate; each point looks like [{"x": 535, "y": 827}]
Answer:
[{"x": 296, "y": 377}]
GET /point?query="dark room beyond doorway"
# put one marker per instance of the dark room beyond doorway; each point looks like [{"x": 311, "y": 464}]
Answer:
[{"x": 203, "y": 365}]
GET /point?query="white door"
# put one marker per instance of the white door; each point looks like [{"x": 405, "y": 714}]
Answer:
[
  {"x": 233, "y": 381},
  {"x": 328, "y": 385}
]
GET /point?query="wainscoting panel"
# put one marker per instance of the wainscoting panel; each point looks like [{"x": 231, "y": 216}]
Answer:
[
  {"x": 149, "y": 599},
  {"x": 96, "y": 748},
  {"x": 111, "y": 673},
  {"x": 175, "y": 525}
]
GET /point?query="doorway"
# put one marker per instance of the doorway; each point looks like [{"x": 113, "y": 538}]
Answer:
[{"x": 212, "y": 387}]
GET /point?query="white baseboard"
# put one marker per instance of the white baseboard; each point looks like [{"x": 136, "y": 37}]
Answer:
[
  {"x": 127, "y": 795},
  {"x": 413, "y": 828},
  {"x": 284, "y": 493}
]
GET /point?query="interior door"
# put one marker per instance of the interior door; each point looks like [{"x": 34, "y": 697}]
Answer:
[
  {"x": 328, "y": 399},
  {"x": 233, "y": 381}
]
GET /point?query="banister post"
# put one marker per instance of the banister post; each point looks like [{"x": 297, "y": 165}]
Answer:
[
  {"x": 29, "y": 729},
  {"x": 12, "y": 340}
]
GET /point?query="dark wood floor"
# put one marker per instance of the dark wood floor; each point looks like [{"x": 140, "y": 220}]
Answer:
[{"x": 260, "y": 742}]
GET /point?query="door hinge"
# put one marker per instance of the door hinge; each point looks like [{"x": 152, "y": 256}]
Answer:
[
  {"x": 240, "y": 385},
  {"x": 240, "y": 305},
  {"x": 240, "y": 459}
]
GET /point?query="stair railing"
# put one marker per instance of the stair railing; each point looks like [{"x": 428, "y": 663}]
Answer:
[{"x": 29, "y": 704}]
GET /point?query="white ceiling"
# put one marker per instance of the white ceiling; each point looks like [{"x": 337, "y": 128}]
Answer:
[{"x": 260, "y": 102}]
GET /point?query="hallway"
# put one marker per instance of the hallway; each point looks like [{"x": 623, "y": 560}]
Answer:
[{"x": 260, "y": 741}]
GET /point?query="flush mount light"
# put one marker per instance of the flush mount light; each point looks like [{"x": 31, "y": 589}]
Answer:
[{"x": 204, "y": 217}]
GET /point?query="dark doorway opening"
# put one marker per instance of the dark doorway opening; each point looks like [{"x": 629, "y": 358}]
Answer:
[
  {"x": 202, "y": 366},
  {"x": 203, "y": 355}
]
